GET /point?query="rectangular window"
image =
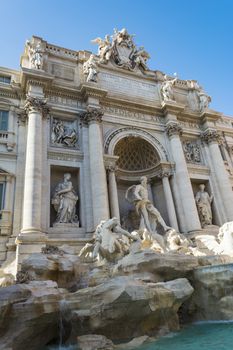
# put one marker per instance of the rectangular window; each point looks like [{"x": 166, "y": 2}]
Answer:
[
  {"x": 4, "y": 120},
  {"x": 1, "y": 195},
  {"x": 4, "y": 79}
]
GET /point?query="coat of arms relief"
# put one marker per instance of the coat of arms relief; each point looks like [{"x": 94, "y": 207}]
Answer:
[{"x": 120, "y": 49}]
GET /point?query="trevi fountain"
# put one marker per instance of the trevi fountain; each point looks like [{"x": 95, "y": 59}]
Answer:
[{"x": 116, "y": 204}]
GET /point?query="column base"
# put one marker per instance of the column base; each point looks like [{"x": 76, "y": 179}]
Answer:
[{"x": 28, "y": 243}]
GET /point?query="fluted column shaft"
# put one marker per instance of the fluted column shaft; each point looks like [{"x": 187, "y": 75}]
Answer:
[
  {"x": 192, "y": 221},
  {"x": 97, "y": 170}
]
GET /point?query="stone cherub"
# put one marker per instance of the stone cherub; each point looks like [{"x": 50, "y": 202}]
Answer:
[
  {"x": 104, "y": 49},
  {"x": 203, "y": 201},
  {"x": 111, "y": 242},
  {"x": 140, "y": 57}
]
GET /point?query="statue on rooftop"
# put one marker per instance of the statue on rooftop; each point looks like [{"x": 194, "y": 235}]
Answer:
[
  {"x": 90, "y": 69},
  {"x": 121, "y": 50},
  {"x": 167, "y": 89},
  {"x": 35, "y": 55},
  {"x": 104, "y": 49}
]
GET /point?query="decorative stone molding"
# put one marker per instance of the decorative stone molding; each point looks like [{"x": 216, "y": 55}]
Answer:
[
  {"x": 92, "y": 115},
  {"x": 112, "y": 139},
  {"x": 211, "y": 135},
  {"x": 173, "y": 128},
  {"x": 111, "y": 168},
  {"x": 69, "y": 156},
  {"x": 36, "y": 104},
  {"x": 164, "y": 173}
]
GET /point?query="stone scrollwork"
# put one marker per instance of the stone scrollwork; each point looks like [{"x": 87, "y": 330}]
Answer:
[
  {"x": 92, "y": 115},
  {"x": 122, "y": 51},
  {"x": 36, "y": 104},
  {"x": 192, "y": 152},
  {"x": 211, "y": 135},
  {"x": 173, "y": 128},
  {"x": 64, "y": 133}
]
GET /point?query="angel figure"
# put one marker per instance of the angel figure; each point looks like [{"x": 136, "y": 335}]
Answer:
[
  {"x": 104, "y": 49},
  {"x": 140, "y": 57}
]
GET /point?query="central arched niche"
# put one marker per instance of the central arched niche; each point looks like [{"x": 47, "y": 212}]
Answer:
[
  {"x": 135, "y": 154},
  {"x": 137, "y": 157}
]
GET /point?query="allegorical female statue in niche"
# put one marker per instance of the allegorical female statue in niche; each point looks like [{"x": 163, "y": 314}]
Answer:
[
  {"x": 203, "y": 201},
  {"x": 64, "y": 201}
]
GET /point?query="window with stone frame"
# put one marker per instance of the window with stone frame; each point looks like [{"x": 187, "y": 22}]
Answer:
[
  {"x": 4, "y": 120},
  {"x": 5, "y": 79}
]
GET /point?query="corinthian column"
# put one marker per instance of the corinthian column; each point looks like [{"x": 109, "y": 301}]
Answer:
[
  {"x": 35, "y": 109},
  {"x": 164, "y": 175},
  {"x": 31, "y": 238},
  {"x": 191, "y": 220},
  {"x": 218, "y": 171},
  {"x": 93, "y": 117},
  {"x": 113, "y": 195}
]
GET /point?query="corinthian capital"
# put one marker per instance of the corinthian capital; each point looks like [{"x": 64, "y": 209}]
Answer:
[
  {"x": 36, "y": 104},
  {"x": 173, "y": 128},
  {"x": 211, "y": 135},
  {"x": 92, "y": 115}
]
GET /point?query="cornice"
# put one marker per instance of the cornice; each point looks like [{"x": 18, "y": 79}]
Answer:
[
  {"x": 88, "y": 90},
  {"x": 210, "y": 116},
  {"x": 65, "y": 155},
  {"x": 198, "y": 169},
  {"x": 172, "y": 108},
  {"x": 132, "y": 105},
  {"x": 35, "y": 77}
]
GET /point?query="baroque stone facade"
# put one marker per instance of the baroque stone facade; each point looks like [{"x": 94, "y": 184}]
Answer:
[{"x": 87, "y": 127}]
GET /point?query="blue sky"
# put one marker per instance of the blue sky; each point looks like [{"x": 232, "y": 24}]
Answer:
[{"x": 190, "y": 37}]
